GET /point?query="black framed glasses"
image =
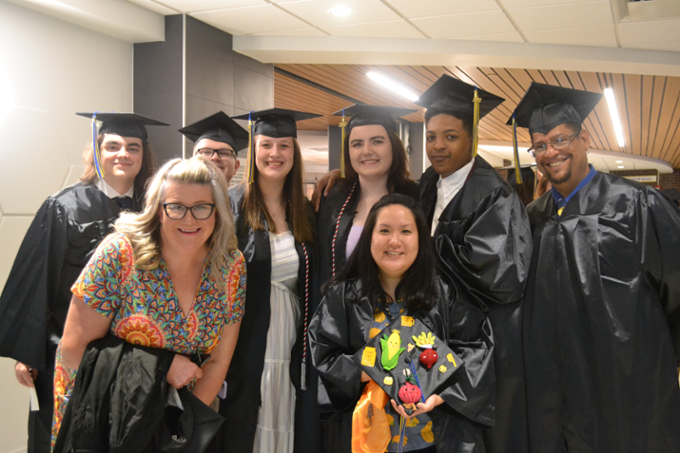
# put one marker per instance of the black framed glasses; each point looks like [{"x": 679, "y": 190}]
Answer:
[
  {"x": 560, "y": 142},
  {"x": 176, "y": 211},
  {"x": 222, "y": 153}
]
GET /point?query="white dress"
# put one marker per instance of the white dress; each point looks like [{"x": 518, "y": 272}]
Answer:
[{"x": 276, "y": 418}]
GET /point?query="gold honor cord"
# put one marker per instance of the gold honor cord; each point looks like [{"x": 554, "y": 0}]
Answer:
[
  {"x": 95, "y": 148},
  {"x": 250, "y": 160},
  {"x": 343, "y": 125},
  {"x": 475, "y": 123},
  {"x": 515, "y": 152}
]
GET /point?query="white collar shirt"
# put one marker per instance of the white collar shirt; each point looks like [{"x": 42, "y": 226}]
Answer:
[
  {"x": 111, "y": 192},
  {"x": 447, "y": 188}
]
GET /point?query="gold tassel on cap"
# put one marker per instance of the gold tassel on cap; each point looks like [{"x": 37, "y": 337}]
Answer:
[
  {"x": 250, "y": 160},
  {"x": 515, "y": 152},
  {"x": 96, "y": 150},
  {"x": 475, "y": 123},
  {"x": 343, "y": 125}
]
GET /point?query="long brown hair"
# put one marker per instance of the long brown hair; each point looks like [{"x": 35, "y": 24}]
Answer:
[
  {"x": 398, "y": 176},
  {"x": 89, "y": 175},
  {"x": 254, "y": 206}
]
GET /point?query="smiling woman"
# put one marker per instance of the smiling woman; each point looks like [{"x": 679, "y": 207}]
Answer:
[{"x": 178, "y": 259}]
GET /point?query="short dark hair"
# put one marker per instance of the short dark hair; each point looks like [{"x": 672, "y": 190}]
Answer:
[
  {"x": 418, "y": 287},
  {"x": 463, "y": 115}
]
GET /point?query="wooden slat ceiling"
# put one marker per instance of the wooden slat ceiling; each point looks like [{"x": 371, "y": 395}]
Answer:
[{"x": 648, "y": 105}]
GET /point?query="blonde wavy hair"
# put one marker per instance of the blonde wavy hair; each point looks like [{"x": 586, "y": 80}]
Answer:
[{"x": 143, "y": 229}]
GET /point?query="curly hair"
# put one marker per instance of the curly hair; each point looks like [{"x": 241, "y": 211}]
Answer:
[{"x": 143, "y": 229}]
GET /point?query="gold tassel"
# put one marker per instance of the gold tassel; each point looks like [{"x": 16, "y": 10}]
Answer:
[
  {"x": 515, "y": 152},
  {"x": 250, "y": 159},
  {"x": 343, "y": 125},
  {"x": 475, "y": 123}
]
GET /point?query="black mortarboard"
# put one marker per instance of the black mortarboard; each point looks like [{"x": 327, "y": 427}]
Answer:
[
  {"x": 276, "y": 122},
  {"x": 365, "y": 114},
  {"x": 123, "y": 124},
  {"x": 448, "y": 93},
  {"x": 544, "y": 107},
  {"x": 391, "y": 373},
  {"x": 220, "y": 128}
]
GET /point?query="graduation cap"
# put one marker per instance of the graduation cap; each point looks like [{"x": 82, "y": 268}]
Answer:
[
  {"x": 450, "y": 94},
  {"x": 366, "y": 115},
  {"x": 408, "y": 361},
  {"x": 220, "y": 128},
  {"x": 276, "y": 123},
  {"x": 544, "y": 107},
  {"x": 123, "y": 124}
]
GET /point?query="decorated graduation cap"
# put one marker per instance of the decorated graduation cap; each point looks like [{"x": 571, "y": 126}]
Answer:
[
  {"x": 408, "y": 361},
  {"x": 123, "y": 124},
  {"x": 220, "y": 128},
  {"x": 276, "y": 123},
  {"x": 449, "y": 94},
  {"x": 544, "y": 107},
  {"x": 368, "y": 115}
]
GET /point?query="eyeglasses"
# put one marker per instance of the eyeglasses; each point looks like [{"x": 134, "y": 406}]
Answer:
[
  {"x": 222, "y": 153},
  {"x": 177, "y": 211},
  {"x": 560, "y": 142}
]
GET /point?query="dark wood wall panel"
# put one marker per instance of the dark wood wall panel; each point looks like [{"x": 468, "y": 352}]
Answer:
[{"x": 649, "y": 106}]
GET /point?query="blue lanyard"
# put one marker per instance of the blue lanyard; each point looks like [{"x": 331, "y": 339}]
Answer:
[{"x": 561, "y": 202}]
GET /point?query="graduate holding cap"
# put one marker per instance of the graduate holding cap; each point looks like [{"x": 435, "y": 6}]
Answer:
[
  {"x": 218, "y": 138},
  {"x": 481, "y": 233},
  {"x": 374, "y": 163},
  {"x": 62, "y": 237},
  {"x": 602, "y": 313},
  {"x": 391, "y": 279},
  {"x": 270, "y": 400}
]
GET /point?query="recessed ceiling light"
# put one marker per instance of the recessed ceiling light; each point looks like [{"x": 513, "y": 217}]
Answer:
[
  {"x": 340, "y": 11},
  {"x": 619, "y": 161},
  {"x": 621, "y": 166},
  {"x": 614, "y": 114}
]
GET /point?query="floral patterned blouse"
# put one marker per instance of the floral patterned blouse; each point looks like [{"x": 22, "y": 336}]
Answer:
[{"x": 144, "y": 308}]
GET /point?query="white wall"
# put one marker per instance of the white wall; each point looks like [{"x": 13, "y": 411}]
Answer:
[{"x": 49, "y": 69}]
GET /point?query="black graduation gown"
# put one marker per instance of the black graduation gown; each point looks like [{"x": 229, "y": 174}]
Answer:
[
  {"x": 61, "y": 239},
  {"x": 242, "y": 404},
  {"x": 484, "y": 244},
  {"x": 602, "y": 321},
  {"x": 341, "y": 327},
  {"x": 334, "y": 222}
]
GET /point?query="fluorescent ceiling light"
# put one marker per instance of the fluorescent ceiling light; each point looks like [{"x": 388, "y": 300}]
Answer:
[
  {"x": 392, "y": 85},
  {"x": 340, "y": 11},
  {"x": 614, "y": 114},
  {"x": 621, "y": 166},
  {"x": 619, "y": 161}
]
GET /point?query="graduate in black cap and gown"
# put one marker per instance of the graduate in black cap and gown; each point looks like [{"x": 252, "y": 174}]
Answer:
[
  {"x": 374, "y": 163},
  {"x": 481, "y": 233},
  {"x": 219, "y": 139},
  {"x": 63, "y": 235},
  {"x": 602, "y": 307},
  {"x": 270, "y": 403}
]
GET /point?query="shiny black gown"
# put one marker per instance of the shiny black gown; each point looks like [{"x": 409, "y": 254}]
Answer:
[
  {"x": 602, "y": 321},
  {"x": 484, "y": 244},
  {"x": 61, "y": 239}
]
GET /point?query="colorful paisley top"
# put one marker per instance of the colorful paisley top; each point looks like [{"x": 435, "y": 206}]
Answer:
[{"x": 144, "y": 309}]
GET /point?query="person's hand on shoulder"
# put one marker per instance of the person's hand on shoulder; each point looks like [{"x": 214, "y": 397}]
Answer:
[{"x": 323, "y": 187}]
